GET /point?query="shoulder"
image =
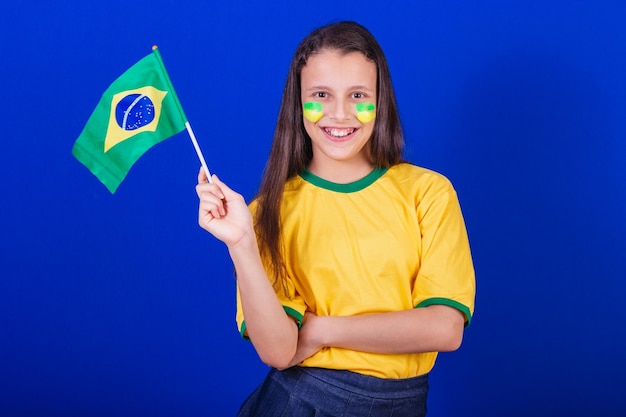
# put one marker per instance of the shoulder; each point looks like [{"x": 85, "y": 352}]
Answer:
[
  {"x": 292, "y": 187},
  {"x": 294, "y": 184},
  {"x": 418, "y": 180}
]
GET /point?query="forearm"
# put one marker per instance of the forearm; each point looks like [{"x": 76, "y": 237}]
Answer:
[
  {"x": 272, "y": 332},
  {"x": 224, "y": 214},
  {"x": 430, "y": 329}
]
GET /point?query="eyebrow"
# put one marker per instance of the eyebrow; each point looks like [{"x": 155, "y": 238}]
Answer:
[{"x": 354, "y": 87}]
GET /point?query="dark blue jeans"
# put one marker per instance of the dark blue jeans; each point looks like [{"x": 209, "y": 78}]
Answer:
[{"x": 308, "y": 392}]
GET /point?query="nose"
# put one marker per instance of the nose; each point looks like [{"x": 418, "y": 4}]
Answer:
[{"x": 340, "y": 110}]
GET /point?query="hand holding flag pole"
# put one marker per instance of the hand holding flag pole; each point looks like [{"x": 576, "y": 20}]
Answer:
[{"x": 138, "y": 110}]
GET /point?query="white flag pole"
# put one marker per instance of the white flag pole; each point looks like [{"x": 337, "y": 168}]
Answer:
[{"x": 198, "y": 151}]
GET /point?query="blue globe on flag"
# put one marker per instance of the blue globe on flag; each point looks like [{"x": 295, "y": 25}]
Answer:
[{"x": 134, "y": 111}]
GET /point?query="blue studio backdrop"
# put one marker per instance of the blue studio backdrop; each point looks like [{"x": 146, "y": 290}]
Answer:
[{"x": 121, "y": 305}]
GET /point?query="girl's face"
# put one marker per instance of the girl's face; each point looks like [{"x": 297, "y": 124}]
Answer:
[{"x": 333, "y": 84}]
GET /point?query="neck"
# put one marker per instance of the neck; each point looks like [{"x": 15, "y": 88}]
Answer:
[{"x": 341, "y": 172}]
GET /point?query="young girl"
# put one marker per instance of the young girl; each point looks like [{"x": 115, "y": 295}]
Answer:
[{"x": 353, "y": 267}]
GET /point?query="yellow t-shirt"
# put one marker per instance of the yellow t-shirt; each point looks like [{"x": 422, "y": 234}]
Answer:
[{"x": 394, "y": 240}]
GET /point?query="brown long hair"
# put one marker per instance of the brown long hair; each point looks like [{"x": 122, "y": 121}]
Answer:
[{"x": 291, "y": 149}]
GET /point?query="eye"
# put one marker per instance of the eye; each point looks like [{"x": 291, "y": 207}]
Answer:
[
  {"x": 320, "y": 94},
  {"x": 358, "y": 95}
]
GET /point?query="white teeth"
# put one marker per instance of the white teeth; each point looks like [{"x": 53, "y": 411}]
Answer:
[{"x": 339, "y": 133}]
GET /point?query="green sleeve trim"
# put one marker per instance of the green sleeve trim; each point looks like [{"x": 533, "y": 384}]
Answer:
[
  {"x": 295, "y": 314},
  {"x": 448, "y": 302},
  {"x": 242, "y": 331},
  {"x": 290, "y": 312}
]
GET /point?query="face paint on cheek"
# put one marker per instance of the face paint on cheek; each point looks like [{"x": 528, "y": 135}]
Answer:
[
  {"x": 313, "y": 111},
  {"x": 366, "y": 112}
]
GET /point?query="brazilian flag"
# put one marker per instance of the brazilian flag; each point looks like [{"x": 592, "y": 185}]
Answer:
[{"x": 137, "y": 111}]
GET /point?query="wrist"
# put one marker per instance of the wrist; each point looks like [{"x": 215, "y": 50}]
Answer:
[
  {"x": 245, "y": 243},
  {"x": 326, "y": 336},
  {"x": 245, "y": 252}
]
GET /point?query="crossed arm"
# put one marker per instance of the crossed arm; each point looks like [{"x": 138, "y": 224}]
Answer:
[{"x": 275, "y": 335}]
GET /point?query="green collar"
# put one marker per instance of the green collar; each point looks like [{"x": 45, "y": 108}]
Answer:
[{"x": 351, "y": 187}]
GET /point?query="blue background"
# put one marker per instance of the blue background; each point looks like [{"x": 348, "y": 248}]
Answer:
[{"x": 120, "y": 305}]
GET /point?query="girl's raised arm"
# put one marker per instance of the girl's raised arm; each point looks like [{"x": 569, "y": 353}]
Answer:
[{"x": 225, "y": 214}]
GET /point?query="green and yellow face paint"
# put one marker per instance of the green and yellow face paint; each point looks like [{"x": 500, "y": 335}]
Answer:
[
  {"x": 313, "y": 111},
  {"x": 365, "y": 112}
]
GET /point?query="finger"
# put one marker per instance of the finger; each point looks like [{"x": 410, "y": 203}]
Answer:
[
  {"x": 212, "y": 206},
  {"x": 211, "y": 194},
  {"x": 204, "y": 218},
  {"x": 224, "y": 189},
  {"x": 202, "y": 176},
  {"x": 207, "y": 187}
]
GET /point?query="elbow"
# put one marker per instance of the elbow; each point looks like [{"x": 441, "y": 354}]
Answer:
[
  {"x": 279, "y": 362},
  {"x": 276, "y": 350},
  {"x": 283, "y": 366},
  {"x": 452, "y": 338},
  {"x": 279, "y": 357},
  {"x": 450, "y": 326},
  {"x": 452, "y": 342}
]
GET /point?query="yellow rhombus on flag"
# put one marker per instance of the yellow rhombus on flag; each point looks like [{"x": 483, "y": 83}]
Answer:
[{"x": 137, "y": 111}]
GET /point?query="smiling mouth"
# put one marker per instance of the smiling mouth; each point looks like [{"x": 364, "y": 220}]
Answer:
[{"x": 339, "y": 133}]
